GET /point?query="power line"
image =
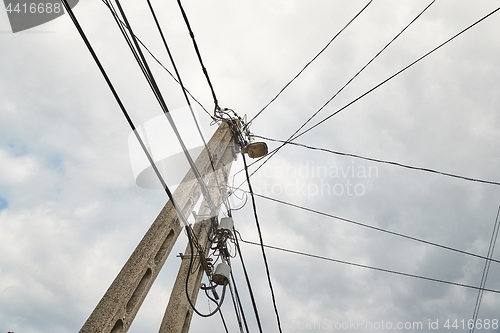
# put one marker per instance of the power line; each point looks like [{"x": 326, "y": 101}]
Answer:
[
  {"x": 160, "y": 63},
  {"x": 262, "y": 245},
  {"x": 184, "y": 15},
  {"x": 376, "y": 228},
  {"x": 156, "y": 91},
  {"x": 310, "y": 62},
  {"x": 382, "y": 161},
  {"x": 486, "y": 270},
  {"x": 375, "y": 87},
  {"x": 160, "y": 31},
  {"x": 249, "y": 286},
  {"x": 372, "y": 267},
  {"x": 236, "y": 311},
  {"x": 223, "y": 321},
  {"x": 362, "y": 69},
  {"x": 397, "y": 73},
  {"x": 122, "y": 108},
  {"x": 238, "y": 308}
]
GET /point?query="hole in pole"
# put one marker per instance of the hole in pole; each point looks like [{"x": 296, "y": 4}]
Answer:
[{"x": 139, "y": 291}]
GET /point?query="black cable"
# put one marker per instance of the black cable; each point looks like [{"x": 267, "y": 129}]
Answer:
[
  {"x": 238, "y": 301},
  {"x": 223, "y": 321},
  {"x": 236, "y": 311},
  {"x": 150, "y": 78},
  {"x": 162, "y": 66},
  {"x": 397, "y": 73},
  {"x": 247, "y": 279},
  {"x": 184, "y": 15},
  {"x": 172, "y": 61},
  {"x": 191, "y": 255},
  {"x": 372, "y": 89},
  {"x": 382, "y": 161},
  {"x": 372, "y": 267},
  {"x": 262, "y": 245},
  {"x": 122, "y": 107},
  {"x": 486, "y": 270},
  {"x": 376, "y": 228},
  {"x": 362, "y": 69},
  {"x": 307, "y": 65}
]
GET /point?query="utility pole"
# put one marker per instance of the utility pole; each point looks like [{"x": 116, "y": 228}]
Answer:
[
  {"x": 121, "y": 302},
  {"x": 179, "y": 312}
]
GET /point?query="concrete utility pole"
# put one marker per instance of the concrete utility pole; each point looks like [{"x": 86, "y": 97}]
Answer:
[
  {"x": 121, "y": 302},
  {"x": 179, "y": 313}
]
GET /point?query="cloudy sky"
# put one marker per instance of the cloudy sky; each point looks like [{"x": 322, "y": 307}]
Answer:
[{"x": 71, "y": 212}]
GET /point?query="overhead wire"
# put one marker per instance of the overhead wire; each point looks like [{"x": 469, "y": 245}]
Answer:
[
  {"x": 249, "y": 286},
  {"x": 156, "y": 91},
  {"x": 123, "y": 109},
  {"x": 291, "y": 137},
  {"x": 235, "y": 305},
  {"x": 397, "y": 73},
  {"x": 223, "y": 321},
  {"x": 262, "y": 245},
  {"x": 210, "y": 156},
  {"x": 238, "y": 302},
  {"x": 376, "y": 228},
  {"x": 294, "y": 137},
  {"x": 372, "y": 267},
  {"x": 486, "y": 270},
  {"x": 197, "y": 50},
  {"x": 382, "y": 161},
  {"x": 310, "y": 62},
  {"x": 163, "y": 66}
]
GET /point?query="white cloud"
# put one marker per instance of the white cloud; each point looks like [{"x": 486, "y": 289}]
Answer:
[{"x": 74, "y": 214}]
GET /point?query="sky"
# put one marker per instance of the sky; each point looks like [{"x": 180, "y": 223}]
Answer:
[{"x": 71, "y": 212}]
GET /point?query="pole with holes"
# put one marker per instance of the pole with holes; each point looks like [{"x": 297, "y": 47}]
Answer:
[{"x": 121, "y": 302}]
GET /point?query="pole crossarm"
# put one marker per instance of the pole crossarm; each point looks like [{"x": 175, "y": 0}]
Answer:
[{"x": 121, "y": 302}]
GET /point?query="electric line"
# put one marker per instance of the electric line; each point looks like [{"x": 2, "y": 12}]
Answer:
[
  {"x": 310, "y": 62},
  {"x": 122, "y": 108},
  {"x": 262, "y": 245},
  {"x": 238, "y": 301},
  {"x": 160, "y": 31},
  {"x": 375, "y": 87},
  {"x": 161, "y": 65},
  {"x": 249, "y": 286},
  {"x": 154, "y": 87},
  {"x": 362, "y": 69},
  {"x": 396, "y": 74},
  {"x": 376, "y": 228},
  {"x": 382, "y": 161},
  {"x": 486, "y": 270},
  {"x": 223, "y": 321},
  {"x": 236, "y": 311},
  {"x": 272, "y": 153},
  {"x": 372, "y": 267},
  {"x": 184, "y": 15}
]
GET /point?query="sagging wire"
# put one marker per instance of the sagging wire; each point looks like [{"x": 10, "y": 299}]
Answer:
[
  {"x": 212, "y": 286},
  {"x": 220, "y": 237}
]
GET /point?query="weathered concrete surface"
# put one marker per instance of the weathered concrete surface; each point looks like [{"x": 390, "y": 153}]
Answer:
[
  {"x": 179, "y": 312},
  {"x": 121, "y": 302}
]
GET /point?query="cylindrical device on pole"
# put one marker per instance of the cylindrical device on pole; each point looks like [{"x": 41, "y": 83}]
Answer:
[
  {"x": 221, "y": 274},
  {"x": 226, "y": 225}
]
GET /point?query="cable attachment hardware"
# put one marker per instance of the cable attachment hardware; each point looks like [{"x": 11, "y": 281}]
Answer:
[{"x": 242, "y": 135}]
